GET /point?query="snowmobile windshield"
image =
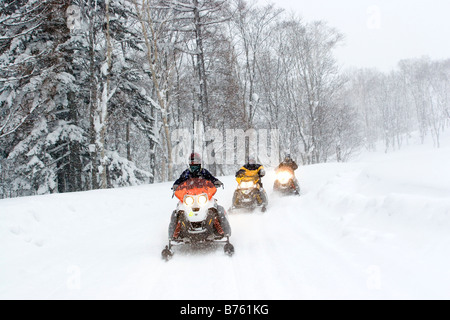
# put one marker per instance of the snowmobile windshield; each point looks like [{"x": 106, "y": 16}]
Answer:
[{"x": 194, "y": 187}]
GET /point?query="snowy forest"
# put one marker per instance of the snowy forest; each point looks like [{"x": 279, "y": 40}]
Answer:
[{"x": 91, "y": 90}]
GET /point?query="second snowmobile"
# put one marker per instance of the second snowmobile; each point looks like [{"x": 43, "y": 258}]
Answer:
[{"x": 249, "y": 194}]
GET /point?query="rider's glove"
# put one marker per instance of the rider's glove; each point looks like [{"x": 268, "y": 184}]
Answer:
[
  {"x": 218, "y": 184},
  {"x": 175, "y": 187}
]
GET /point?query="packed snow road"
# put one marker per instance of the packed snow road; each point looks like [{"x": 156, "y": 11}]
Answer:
[{"x": 378, "y": 228}]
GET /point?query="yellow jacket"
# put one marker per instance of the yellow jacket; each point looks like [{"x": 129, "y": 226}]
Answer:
[{"x": 254, "y": 171}]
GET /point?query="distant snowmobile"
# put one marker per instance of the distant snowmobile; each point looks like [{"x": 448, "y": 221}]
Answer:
[
  {"x": 286, "y": 183},
  {"x": 198, "y": 218}
]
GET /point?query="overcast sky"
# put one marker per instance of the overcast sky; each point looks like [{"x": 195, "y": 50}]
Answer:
[{"x": 379, "y": 33}]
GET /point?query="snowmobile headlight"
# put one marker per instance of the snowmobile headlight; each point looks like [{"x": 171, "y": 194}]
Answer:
[
  {"x": 247, "y": 184},
  {"x": 202, "y": 200},
  {"x": 284, "y": 177},
  {"x": 189, "y": 201}
]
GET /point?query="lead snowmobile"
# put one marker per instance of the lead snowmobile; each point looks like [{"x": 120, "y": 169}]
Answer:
[{"x": 198, "y": 218}]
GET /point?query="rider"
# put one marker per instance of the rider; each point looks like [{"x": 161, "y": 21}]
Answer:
[
  {"x": 254, "y": 168},
  {"x": 289, "y": 164},
  {"x": 196, "y": 171}
]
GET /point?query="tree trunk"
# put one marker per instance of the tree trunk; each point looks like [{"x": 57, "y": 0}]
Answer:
[
  {"x": 128, "y": 142},
  {"x": 103, "y": 107},
  {"x": 92, "y": 101}
]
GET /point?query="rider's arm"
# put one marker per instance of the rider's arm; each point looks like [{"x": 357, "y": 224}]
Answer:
[
  {"x": 184, "y": 176},
  {"x": 261, "y": 171},
  {"x": 208, "y": 176},
  {"x": 240, "y": 172}
]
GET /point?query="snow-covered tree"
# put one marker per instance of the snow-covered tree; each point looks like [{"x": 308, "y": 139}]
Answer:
[{"x": 38, "y": 94}]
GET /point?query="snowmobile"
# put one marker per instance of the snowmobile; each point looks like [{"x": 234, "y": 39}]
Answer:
[
  {"x": 198, "y": 218},
  {"x": 249, "y": 194},
  {"x": 286, "y": 183}
]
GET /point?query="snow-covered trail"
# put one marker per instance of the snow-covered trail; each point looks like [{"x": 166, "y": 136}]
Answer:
[{"x": 362, "y": 230}]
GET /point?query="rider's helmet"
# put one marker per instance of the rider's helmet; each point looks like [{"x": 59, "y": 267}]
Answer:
[
  {"x": 251, "y": 160},
  {"x": 195, "y": 163},
  {"x": 287, "y": 158}
]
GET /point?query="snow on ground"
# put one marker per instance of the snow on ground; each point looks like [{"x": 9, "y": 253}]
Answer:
[{"x": 375, "y": 228}]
